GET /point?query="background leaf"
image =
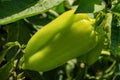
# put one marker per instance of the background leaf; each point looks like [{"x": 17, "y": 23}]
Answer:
[
  {"x": 6, "y": 70},
  {"x": 14, "y": 10},
  {"x": 87, "y": 6},
  {"x": 18, "y": 31},
  {"x": 116, "y": 8},
  {"x": 115, "y": 38}
]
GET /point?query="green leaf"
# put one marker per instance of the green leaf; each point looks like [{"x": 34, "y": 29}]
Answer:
[
  {"x": 2, "y": 55},
  {"x": 117, "y": 69},
  {"x": 115, "y": 37},
  {"x": 14, "y": 10},
  {"x": 86, "y": 6},
  {"x": 6, "y": 70},
  {"x": 18, "y": 31},
  {"x": 37, "y": 21},
  {"x": 11, "y": 53},
  {"x": 10, "y": 45},
  {"x": 99, "y": 7},
  {"x": 60, "y": 8},
  {"x": 116, "y": 8}
]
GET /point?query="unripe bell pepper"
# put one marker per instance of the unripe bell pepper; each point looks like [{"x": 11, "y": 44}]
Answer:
[
  {"x": 44, "y": 35},
  {"x": 92, "y": 56},
  {"x": 64, "y": 38}
]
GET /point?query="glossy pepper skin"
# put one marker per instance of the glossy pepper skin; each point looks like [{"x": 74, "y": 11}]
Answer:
[
  {"x": 44, "y": 35},
  {"x": 64, "y": 38},
  {"x": 92, "y": 56}
]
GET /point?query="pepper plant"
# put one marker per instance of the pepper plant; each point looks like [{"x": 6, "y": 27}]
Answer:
[{"x": 60, "y": 39}]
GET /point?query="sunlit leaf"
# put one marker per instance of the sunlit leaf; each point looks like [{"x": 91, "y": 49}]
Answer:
[{"x": 13, "y": 10}]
